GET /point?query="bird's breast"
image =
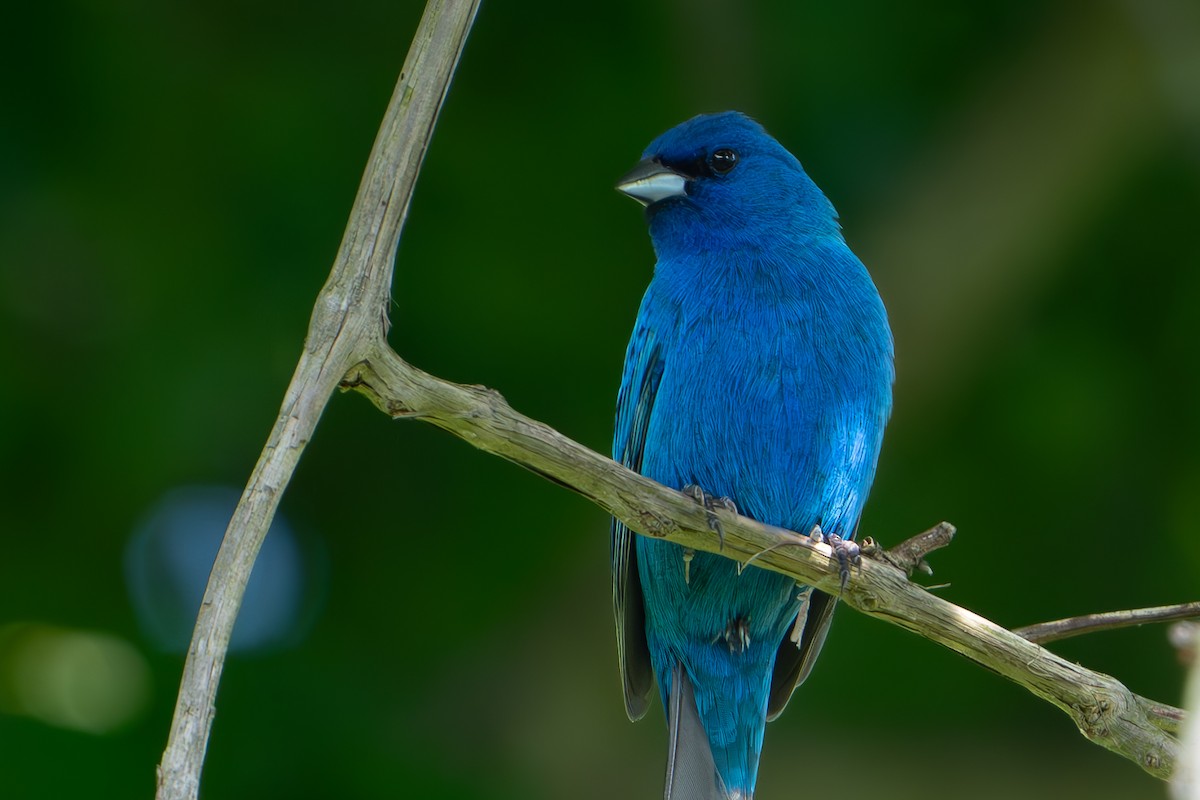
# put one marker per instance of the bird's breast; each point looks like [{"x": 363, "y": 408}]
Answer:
[{"x": 763, "y": 399}]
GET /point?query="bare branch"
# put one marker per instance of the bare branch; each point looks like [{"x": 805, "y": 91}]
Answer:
[
  {"x": 1104, "y": 710},
  {"x": 1045, "y": 632},
  {"x": 349, "y": 318}
]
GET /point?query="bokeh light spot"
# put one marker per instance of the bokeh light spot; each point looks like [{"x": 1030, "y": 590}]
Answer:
[
  {"x": 170, "y": 555},
  {"x": 80, "y": 680}
]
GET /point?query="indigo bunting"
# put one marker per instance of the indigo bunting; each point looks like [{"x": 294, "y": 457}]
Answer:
[{"x": 759, "y": 371}]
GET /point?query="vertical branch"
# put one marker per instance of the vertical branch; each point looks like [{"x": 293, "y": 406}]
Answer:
[{"x": 348, "y": 320}]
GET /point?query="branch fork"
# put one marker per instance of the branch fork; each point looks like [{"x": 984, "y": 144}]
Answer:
[{"x": 346, "y": 347}]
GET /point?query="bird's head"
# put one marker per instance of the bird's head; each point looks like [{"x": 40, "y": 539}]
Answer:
[{"x": 721, "y": 181}]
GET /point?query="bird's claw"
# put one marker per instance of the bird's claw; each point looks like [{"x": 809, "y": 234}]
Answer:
[
  {"x": 712, "y": 504},
  {"x": 848, "y": 554}
]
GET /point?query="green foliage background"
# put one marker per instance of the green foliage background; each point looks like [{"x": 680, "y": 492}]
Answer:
[{"x": 1022, "y": 178}]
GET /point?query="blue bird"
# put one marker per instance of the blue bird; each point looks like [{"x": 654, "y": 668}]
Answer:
[{"x": 759, "y": 371}]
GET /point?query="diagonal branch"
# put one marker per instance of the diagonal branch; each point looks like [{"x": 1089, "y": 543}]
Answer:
[
  {"x": 349, "y": 318},
  {"x": 1104, "y": 710}
]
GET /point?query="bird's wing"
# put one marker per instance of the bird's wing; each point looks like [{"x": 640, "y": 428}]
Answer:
[
  {"x": 639, "y": 384},
  {"x": 794, "y": 660}
]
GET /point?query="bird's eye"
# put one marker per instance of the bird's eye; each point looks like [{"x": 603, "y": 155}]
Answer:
[{"x": 723, "y": 160}]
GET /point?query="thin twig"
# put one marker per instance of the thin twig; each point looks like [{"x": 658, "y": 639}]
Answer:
[
  {"x": 1045, "y": 632},
  {"x": 349, "y": 318}
]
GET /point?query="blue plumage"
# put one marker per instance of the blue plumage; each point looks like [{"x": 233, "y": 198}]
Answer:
[{"x": 760, "y": 368}]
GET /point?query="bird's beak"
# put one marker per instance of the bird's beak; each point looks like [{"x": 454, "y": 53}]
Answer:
[{"x": 651, "y": 181}]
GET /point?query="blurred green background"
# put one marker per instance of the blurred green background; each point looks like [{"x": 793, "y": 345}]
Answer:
[{"x": 1022, "y": 178}]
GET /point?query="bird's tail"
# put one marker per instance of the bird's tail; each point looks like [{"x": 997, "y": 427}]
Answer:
[{"x": 691, "y": 772}]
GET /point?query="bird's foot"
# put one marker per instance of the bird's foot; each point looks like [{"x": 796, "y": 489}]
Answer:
[
  {"x": 846, "y": 551},
  {"x": 688, "y": 555},
  {"x": 711, "y": 505},
  {"x": 848, "y": 554}
]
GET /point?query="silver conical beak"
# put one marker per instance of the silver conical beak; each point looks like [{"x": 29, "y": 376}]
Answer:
[{"x": 651, "y": 181}]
